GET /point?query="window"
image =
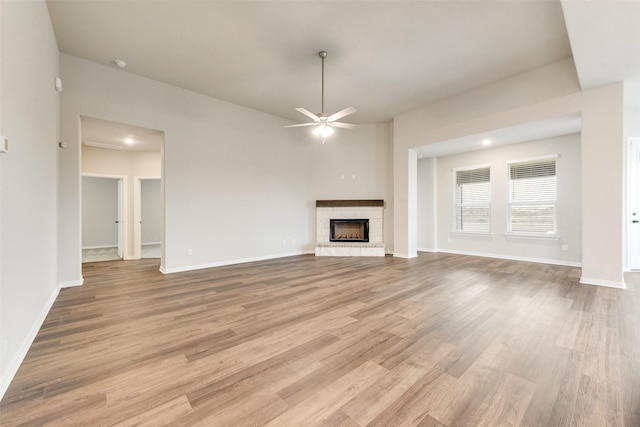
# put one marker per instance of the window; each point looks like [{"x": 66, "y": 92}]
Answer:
[
  {"x": 532, "y": 197},
  {"x": 473, "y": 200}
]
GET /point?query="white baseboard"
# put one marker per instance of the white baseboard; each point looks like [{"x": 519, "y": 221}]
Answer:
[
  {"x": 598, "y": 282},
  {"x": 514, "y": 258},
  {"x": 150, "y": 243},
  {"x": 99, "y": 247},
  {"x": 583, "y": 280},
  {"x": 407, "y": 256},
  {"x": 14, "y": 364},
  {"x": 71, "y": 283},
  {"x": 164, "y": 270},
  {"x": 427, "y": 250}
]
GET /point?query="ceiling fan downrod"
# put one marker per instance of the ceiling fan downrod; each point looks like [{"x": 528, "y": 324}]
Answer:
[{"x": 322, "y": 54}]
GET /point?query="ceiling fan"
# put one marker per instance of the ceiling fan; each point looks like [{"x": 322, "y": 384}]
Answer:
[{"x": 324, "y": 123}]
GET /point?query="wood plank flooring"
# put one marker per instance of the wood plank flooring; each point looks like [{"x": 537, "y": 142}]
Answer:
[{"x": 439, "y": 340}]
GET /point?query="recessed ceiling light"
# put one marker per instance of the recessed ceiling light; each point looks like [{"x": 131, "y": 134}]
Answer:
[
  {"x": 120, "y": 63},
  {"x": 486, "y": 142},
  {"x": 128, "y": 140}
]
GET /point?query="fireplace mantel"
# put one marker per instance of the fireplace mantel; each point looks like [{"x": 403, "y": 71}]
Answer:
[{"x": 348, "y": 203}]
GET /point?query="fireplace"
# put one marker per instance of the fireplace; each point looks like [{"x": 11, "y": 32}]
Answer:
[
  {"x": 349, "y": 230},
  {"x": 358, "y": 223}
]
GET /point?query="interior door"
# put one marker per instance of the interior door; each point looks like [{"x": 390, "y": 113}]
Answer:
[
  {"x": 119, "y": 219},
  {"x": 633, "y": 217},
  {"x": 102, "y": 235}
]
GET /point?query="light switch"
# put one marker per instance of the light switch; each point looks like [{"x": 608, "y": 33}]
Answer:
[{"x": 4, "y": 144}]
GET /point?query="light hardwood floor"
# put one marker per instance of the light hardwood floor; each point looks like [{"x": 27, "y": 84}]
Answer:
[{"x": 440, "y": 340}]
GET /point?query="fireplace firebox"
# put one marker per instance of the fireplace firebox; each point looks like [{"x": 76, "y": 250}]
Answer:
[{"x": 349, "y": 230}]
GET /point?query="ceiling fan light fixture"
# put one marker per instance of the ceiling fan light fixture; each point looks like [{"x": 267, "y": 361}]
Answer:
[
  {"x": 324, "y": 123},
  {"x": 323, "y": 131}
]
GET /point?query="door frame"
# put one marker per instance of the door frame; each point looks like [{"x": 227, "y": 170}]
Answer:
[
  {"x": 123, "y": 210},
  {"x": 633, "y": 201},
  {"x": 137, "y": 215}
]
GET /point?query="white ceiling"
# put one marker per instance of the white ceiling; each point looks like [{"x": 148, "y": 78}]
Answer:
[
  {"x": 385, "y": 57},
  {"x": 604, "y": 40}
]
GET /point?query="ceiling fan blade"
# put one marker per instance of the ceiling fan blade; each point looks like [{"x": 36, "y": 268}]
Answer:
[
  {"x": 308, "y": 113},
  {"x": 340, "y": 114},
  {"x": 344, "y": 125},
  {"x": 301, "y": 124}
]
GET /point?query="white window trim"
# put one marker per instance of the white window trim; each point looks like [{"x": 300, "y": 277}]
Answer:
[
  {"x": 550, "y": 236},
  {"x": 455, "y": 217},
  {"x": 540, "y": 236},
  {"x": 472, "y": 233},
  {"x": 470, "y": 168},
  {"x": 534, "y": 159}
]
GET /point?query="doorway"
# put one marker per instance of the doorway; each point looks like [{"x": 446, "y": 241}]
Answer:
[
  {"x": 127, "y": 153},
  {"x": 102, "y": 207},
  {"x": 147, "y": 202}
]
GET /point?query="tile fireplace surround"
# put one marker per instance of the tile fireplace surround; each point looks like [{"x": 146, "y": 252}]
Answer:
[{"x": 327, "y": 210}]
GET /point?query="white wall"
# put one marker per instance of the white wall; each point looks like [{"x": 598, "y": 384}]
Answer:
[
  {"x": 427, "y": 206},
  {"x": 355, "y": 164},
  {"x": 234, "y": 178},
  {"x": 546, "y": 92},
  {"x": 228, "y": 170},
  {"x": 632, "y": 122},
  {"x": 151, "y": 211},
  {"x": 30, "y": 112},
  {"x": 602, "y": 192},
  {"x": 99, "y": 212},
  {"x": 4, "y": 372},
  {"x": 568, "y": 207}
]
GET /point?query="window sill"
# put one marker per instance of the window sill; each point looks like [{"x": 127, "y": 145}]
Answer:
[
  {"x": 471, "y": 233},
  {"x": 533, "y": 236}
]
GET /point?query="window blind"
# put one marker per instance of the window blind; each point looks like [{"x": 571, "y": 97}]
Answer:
[
  {"x": 473, "y": 200},
  {"x": 532, "y": 197}
]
